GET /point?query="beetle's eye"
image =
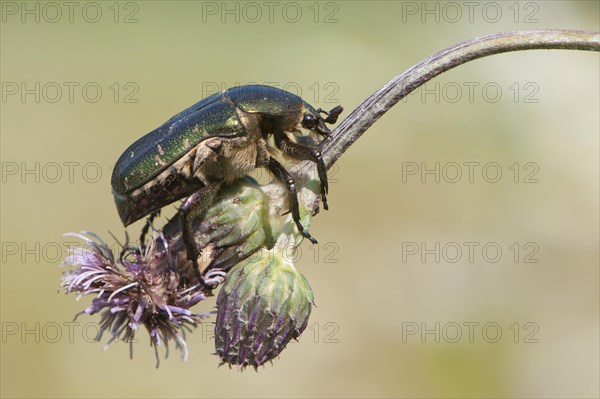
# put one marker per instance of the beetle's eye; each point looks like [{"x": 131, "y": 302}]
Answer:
[{"x": 309, "y": 121}]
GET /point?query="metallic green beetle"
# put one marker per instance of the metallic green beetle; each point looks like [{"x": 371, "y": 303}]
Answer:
[{"x": 214, "y": 142}]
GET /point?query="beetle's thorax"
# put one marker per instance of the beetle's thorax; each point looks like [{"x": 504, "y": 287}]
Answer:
[{"x": 269, "y": 124}]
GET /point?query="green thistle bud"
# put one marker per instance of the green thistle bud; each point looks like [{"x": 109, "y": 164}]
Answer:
[
  {"x": 264, "y": 303},
  {"x": 236, "y": 226}
]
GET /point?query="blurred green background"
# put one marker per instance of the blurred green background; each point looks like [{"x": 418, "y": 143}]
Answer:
[{"x": 401, "y": 313}]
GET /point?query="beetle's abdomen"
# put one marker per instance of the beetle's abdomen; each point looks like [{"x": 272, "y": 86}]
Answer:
[{"x": 158, "y": 150}]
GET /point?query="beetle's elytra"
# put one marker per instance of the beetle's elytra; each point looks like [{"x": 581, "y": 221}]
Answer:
[{"x": 215, "y": 141}]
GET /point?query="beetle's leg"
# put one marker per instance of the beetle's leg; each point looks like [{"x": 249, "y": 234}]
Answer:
[
  {"x": 146, "y": 227},
  {"x": 299, "y": 151},
  {"x": 194, "y": 206},
  {"x": 284, "y": 175}
]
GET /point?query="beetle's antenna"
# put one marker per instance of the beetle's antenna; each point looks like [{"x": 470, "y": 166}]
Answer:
[{"x": 332, "y": 115}]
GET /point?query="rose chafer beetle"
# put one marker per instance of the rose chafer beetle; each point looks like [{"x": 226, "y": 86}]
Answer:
[{"x": 215, "y": 142}]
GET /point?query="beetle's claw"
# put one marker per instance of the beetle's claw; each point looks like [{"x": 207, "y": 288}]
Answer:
[
  {"x": 208, "y": 286},
  {"x": 325, "y": 205},
  {"x": 311, "y": 238},
  {"x": 200, "y": 278},
  {"x": 306, "y": 235}
]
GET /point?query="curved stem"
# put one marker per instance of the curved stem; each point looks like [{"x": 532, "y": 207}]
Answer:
[
  {"x": 358, "y": 121},
  {"x": 399, "y": 87}
]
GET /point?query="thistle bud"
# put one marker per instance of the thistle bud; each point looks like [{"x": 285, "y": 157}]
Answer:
[
  {"x": 235, "y": 226},
  {"x": 263, "y": 304}
]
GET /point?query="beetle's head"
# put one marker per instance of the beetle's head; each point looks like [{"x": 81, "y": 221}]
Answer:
[{"x": 315, "y": 122}]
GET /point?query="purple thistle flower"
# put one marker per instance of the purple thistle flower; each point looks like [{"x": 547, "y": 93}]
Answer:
[
  {"x": 155, "y": 286},
  {"x": 142, "y": 288}
]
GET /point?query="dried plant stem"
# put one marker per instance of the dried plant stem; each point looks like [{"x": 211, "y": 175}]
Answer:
[{"x": 359, "y": 120}]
